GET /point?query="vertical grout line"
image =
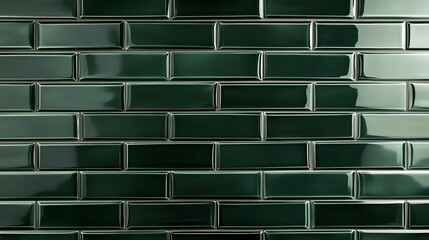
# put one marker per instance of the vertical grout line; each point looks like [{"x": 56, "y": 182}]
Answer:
[
  {"x": 124, "y": 37},
  {"x": 405, "y": 35},
  {"x": 124, "y": 147},
  {"x": 313, "y": 96},
  {"x": 262, "y": 235},
  {"x": 170, "y": 126},
  {"x": 406, "y": 212},
  {"x": 263, "y": 126},
  {"x": 408, "y": 96},
  {"x": 169, "y": 185},
  {"x": 216, "y": 215},
  {"x": 215, "y": 156},
  {"x": 35, "y": 35},
  {"x": 36, "y": 215},
  {"x": 216, "y": 35},
  {"x": 79, "y": 117},
  {"x": 309, "y": 214},
  {"x": 356, "y": 66},
  {"x": 78, "y": 9},
  {"x": 356, "y": 185},
  {"x": 262, "y": 9},
  {"x": 312, "y": 35},
  {"x": 77, "y": 66},
  {"x": 37, "y": 100},
  {"x": 125, "y": 93},
  {"x": 125, "y": 215},
  {"x": 79, "y": 185},
  {"x": 79, "y": 235},
  {"x": 218, "y": 96},
  {"x": 406, "y": 155},
  {"x": 355, "y": 9},
  {"x": 262, "y": 184},
  {"x": 169, "y": 66},
  {"x": 356, "y": 125},
  {"x": 36, "y": 156},
  {"x": 261, "y": 64},
  {"x": 356, "y": 234},
  {"x": 311, "y": 155},
  {"x": 170, "y": 9}
]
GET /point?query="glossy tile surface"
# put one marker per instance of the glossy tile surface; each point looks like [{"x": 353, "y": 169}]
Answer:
[
  {"x": 418, "y": 96},
  {"x": 309, "y": 8},
  {"x": 125, "y": 235},
  {"x": 216, "y": 236},
  {"x": 393, "y": 8},
  {"x": 16, "y": 157},
  {"x": 17, "y": 215},
  {"x": 220, "y": 8},
  {"x": 17, "y": 97},
  {"x": 39, "y": 235},
  {"x": 16, "y": 35},
  {"x": 38, "y": 9},
  {"x": 393, "y": 234},
  {"x": 418, "y": 35},
  {"x": 418, "y": 155},
  {"x": 418, "y": 211},
  {"x": 310, "y": 235},
  {"x": 125, "y": 8}
]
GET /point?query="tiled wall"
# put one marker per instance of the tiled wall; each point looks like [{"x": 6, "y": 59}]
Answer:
[{"x": 214, "y": 119}]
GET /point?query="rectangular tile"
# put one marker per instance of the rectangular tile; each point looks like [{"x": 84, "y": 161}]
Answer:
[
  {"x": 170, "y": 156},
  {"x": 124, "y": 185},
  {"x": 309, "y": 8},
  {"x": 171, "y": 215},
  {"x": 125, "y": 8},
  {"x": 16, "y": 157},
  {"x": 171, "y": 96},
  {"x": 16, "y": 35},
  {"x": 303, "y": 126},
  {"x": 417, "y": 214},
  {"x": 417, "y": 155},
  {"x": 359, "y": 155},
  {"x": 358, "y": 214},
  {"x": 123, "y": 66},
  {"x": 418, "y": 96},
  {"x": 125, "y": 235},
  {"x": 310, "y": 235},
  {"x": 417, "y": 35},
  {"x": 125, "y": 126},
  {"x": 216, "y": 184},
  {"x": 368, "y": 96},
  {"x": 393, "y": 234},
  {"x": 17, "y": 97},
  {"x": 78, "y": 156},
  {"x": 371, "y": 35},
  {"x": 216, "y": 126},
  {"x": 215, "y": 65},
  {"x": 17, "y": 215},
  {"x": 263, "y": 214},
  {"x": 222, "y": 8},
  {"x": 216, "y": 235},
  {"x": 393, "y": 8},
  {"x": 273, "y": 155},
  {"x": 279, "y": 65},
  {"x": 273, "y": 35},
  {"x": 38, "y": 9},
  {"x": 265, "y": 96},
  {"x": 80, "y": 215},
  {"x": 69, "y": 97},
  {"x": 305, "y": 184},
  {"x": 170, "y": 35},
  {"x": 39, "y": 235}
]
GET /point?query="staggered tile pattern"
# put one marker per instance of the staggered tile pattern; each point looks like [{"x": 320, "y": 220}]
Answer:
[{"x": 214, "y": 119}]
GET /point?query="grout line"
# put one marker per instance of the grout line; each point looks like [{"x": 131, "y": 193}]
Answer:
[
  {"x": 216, "y": 215},
  {"x": 79, "y": 235},
  {"x": 356, "y": 185},
  {"x": 262, "y": 184},
  {"x": 408, "y": 96},
  {"x": 79, "y": 9},
  {"x": 124, "y": 147},
  {"x": 263, "y": 126},
  {"x": 79, "y": 118},
  {"x": 311, "y": 155},
  {"x": 125, "y": 97},
  {"x": 261, "y": 64},
  {"x": 313, "y": 96},
  {"x": 36, "y": 156},
  {"x": 406, "y": 212},
  {"x": 169, "y": 185},
  {"x": 356, "y": 234},
  {"x": 79, "y": 184},
  {"x": 356, "y": 125},
  {"x": 125, "y": 215},
  {"x": 405, "y": 35},
  {"x": 36, "y": 215},
  {"x": 170, "y": 126},
  {"x": 170, "y": 9},
  {"x": 124, "y": 37},
  {"x": 313, "y": 39},
  {"x": 169, "y": 66},
  {"x": 262, "y": 235},
  {"x": 215, "y": 156},
  {"x": 77, "y": 67},
  {"x": 35, "y": 35},
  {"x": 262, "y": 9},
  {"x": 37, "y": 100},
  {"x": 309, "y": 214},
  {"x": 216, "y": 35},
  {"x": 356, "y": 66},
  {"x": 406, "y": 155},
  {"x": 355, "y": 9},
  {"x": 218, "y": 96}
]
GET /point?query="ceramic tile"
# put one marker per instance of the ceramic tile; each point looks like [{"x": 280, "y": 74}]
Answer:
[
  {"x": 16, "y": 35},
  {"x": 17, "y": 97},
  {"x": 220, "y": 8},
  {"x": 38, "y": 9},
  {"x": 125, "y": 8}
]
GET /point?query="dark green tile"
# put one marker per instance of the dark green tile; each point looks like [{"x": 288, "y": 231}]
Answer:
[
  {"x": 418, "y": 96},
  {"x": 17, "y": 97},
  {"x": 303, "y": 126},
  {"x": 216, "y": 126},
  {"x": 310, "y": 235},
  {"x": 262, "y": 214},
  {"x": 80, "y": 215},
  {"x": 308, "y": 66},
  {"x": 16, "y": 156},
  {"x": 220, "y": 8},
  {"x": 124, "y": 66},
  {"x": 38, "y": 8},
  {"x": 265, "y": 35},
  {"x": 124, "y": 8},
  {"x": 360, "y": 35},
  {"x": 393, "y": 235},
  {"x": 215, "y": 65},
  {"x": 125, "y": 235},
  {"x": 393, "y": 8},
  {"x": 393, "y": 66},
  {"x": 216, "y": 236},
  {"x": 216, "y": 184},
  {"x": 273, "y": 155},
  {"x": 38, "y": 126},
  {"x": 123, "y": 185},
  {"x": 79, "y": 35},
  {"x": 39, "y": 235},
  {"x": 167, "y": 95},
  {"x": 17, "y": 215},
  {"x": 417, "y": 214},
  {"x": 417, "y": 35},
  {"x": 394, "y": 126},
  {"x": 361, "y": 155},
  {"x": 418, "y": 153},
  {"x": 16, "y": 35},
  {"x": 170, "y": 35},
  {"x": 307, "y": 8},
  {"x": 124, "y": 126},
  {"x": 68, "y": 97},
  {"x": 305, "y": 184},
  {"x": 77, "y": 156},
  {"x": 354, "y": 214},
  {"x": 171, "y": 215},
  {"x": 368, "y": 96},
  {"x": 265, "y": 96},
  {"x": 170, "y": 156},
  {"x": 36, "y": 66}
]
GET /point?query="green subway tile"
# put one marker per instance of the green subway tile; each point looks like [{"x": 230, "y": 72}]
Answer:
[
  {"x": 216, "y": 126},
  {"x": 16, "y": 157},
  {"x": 16, "y": 35},
  {"x": 124, "y": 66},
  {"x": 117, "y": 185},
  {"x": 124, "y": 8},
  {"x": 17, "y": 97},
  {"x": 215, "y": 65},
  {"x": 77, "y": 156},
  {"x": 38, "y": 8},
  {"x": 368, "y": 96},
  {"x": 361, "y": 155},
  {"x": 38, "y": 126},
  {"x": 418, "y": 96},
  {"x": 220, "y": 8},
  {"x": 358, "y": 214},
  {"x": 273, "y": 155},
  {"x": 124, "y": 125},
  {"x": 17, "y": 215},
  {"x": 304, "y": 184},
  {"x": 79, "y": 35},
  {"x": 393, "y": 234},
  {"x": 393, "y": 8},
  {"x": 360, "y": 35},
  {"x": 170, "y": 156},
  {"x": 418, "y": 153},
  {"x": 309, "y": 235},
  {"x": 262, "y": 214},
  {"x": 216, "y": 185},
  {"x": 394, "y": 66},
  {"x": 308, "y": 66},
  {"x": 265, "y": 96},
  {"x": 36, "y": 66},
  {"x": 216, "y": 235},
  {"x": 80, "y": 215},
  {"x": 170, "y": 35},
  {"x": 171, "y": 215},
  {"x": 177, "y": 96},
  {"x": 418, "y": 35},
  {"x": 303, "y": 126},
  {"x": 265, "y": 35},
  {"x": 39, "y": 235},
  {"x": 394, "y": 126},
  {"x": 125, "y": 235},
  {"x": 417, "y": 214},
  {"x": 309, "y": 8}
]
